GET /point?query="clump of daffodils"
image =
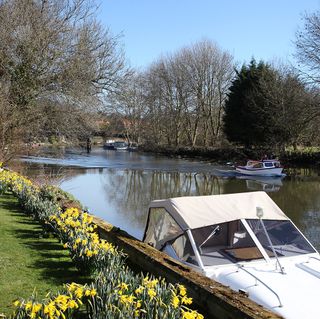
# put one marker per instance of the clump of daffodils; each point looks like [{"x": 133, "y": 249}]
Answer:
[
  {"x": 11, "y": 181},
  {"x": 78, "y": 234},
  {"x": 128, "y": 295},
  {"x": 63, "y": 305},
  {"x": 116, "y": 292}
]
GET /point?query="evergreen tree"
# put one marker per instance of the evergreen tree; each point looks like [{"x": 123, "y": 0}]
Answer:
[{"x": 249, "y": 115}]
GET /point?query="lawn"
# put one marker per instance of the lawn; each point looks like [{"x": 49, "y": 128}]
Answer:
[{"x": 29, "y": 262}]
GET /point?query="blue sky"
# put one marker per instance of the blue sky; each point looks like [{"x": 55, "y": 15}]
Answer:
[{"x": 263, "y": 29}]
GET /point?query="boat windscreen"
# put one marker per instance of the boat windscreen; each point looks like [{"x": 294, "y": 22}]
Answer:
[
  {"x": 225, "y": 243},
  {"x": 268, "y": 164},
  {"x": 285, "y": 237}
]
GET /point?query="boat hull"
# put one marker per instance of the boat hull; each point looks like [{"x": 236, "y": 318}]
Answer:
[
  {"x": 274, "y": 171},
  {"x": 275, "y": 290}
]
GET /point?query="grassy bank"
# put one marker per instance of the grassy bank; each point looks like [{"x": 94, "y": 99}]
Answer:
[
  {"x": 28, "y": 261},
  {"x": 116, "y": 291}
]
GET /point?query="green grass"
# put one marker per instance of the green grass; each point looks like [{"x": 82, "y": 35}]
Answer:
[{"x": 29, "y": 262}]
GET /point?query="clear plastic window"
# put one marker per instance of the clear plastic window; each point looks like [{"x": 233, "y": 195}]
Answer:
[
  {"x": 285, "y": 237},
  {"x": 225, "y": 243},
  {"x": 184, "y": 250},
  {"x": 161, "y": 228}
]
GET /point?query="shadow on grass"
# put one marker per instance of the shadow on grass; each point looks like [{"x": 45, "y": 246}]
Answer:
[
  {"x": 50, "y": 257},
  {"x": 10, "y": 204},
  {"x": 47, "y": 255},
  {"x": 61, "y": 272}
]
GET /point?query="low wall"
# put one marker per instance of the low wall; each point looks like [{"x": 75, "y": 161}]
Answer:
[{"x": 210, "y": 298}]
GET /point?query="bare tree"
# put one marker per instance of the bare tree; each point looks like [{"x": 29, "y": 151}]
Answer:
[
  {"x": 129, "y": 105},
  {"x": 154, "y": 103},
  {"x": 54, "y": 52},
  {"x": 209, "y": 71},
  {"x": 308, "y": 47},
  {"x": 186, "y": 94}
]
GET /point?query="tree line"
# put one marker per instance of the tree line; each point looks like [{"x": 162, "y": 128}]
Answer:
[
  {"x": 200, "y": 97},
  {"x": 179, "y": 99},
  {"x": 62, "y": 74}
]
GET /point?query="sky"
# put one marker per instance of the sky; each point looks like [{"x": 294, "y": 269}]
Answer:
[{"x": 263, "y": 29}]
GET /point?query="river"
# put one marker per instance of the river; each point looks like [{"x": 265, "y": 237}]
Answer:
[{"x": 118, "y": 185}]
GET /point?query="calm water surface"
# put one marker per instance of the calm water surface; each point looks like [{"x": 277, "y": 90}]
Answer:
[{"x": 118, "y": 185}]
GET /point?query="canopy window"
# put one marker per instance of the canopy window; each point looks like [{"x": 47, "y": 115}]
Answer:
[
  {"x": 181, "y": 249},
  {"x": 161, "y": 228}
]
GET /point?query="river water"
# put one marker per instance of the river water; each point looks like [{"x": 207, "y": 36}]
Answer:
[{"x": 118, "y": 185}]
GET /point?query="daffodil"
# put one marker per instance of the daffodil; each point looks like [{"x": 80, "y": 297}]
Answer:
[
  {"x": 189, "y": 315},
  {"x": 175, "y": 301},
  {"x": 28, "y": 306},
  {"x": 139, "y": 290},
  {"x": 93, "y": 292},
  {"x": 186, "y": 301},
  {"x": 182, "y": 290},
  {"x": 16, "y": 303},
  {"x": 151, "y": 293},
  {"x": 79, "y": 292},
  {"x": 123, "y": 286},
  {"x": 72, "y": 304}
]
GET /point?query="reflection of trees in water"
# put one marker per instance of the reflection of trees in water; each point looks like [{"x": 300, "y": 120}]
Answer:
[
  {"x": 175, "y": 184},
  {"x": 299, "y": 199},
  {"x": 132, "y": 190},
  {"x": 307, "y": 172}
]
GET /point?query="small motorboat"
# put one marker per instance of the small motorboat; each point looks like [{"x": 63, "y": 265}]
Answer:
[
  {"x": 268, "y": 167},
  {"x": 109, "y": 145},
  {"x": 244, "y": 241},
  {"x": 120, "y": 146}
]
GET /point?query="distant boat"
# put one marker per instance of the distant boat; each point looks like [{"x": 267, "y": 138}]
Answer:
[
  {"x": 120, "y": 146},
  {"x": 109, "y": 145},
  {"x": 268, "y": 167}
]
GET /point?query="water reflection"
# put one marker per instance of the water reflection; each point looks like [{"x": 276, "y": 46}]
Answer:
[
  {"x": 299, "y": 198},
  {"x": 262, "y": 183},
  {"x": 121, "y": 195}
]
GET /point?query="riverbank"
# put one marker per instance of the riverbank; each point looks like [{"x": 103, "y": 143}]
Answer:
[
  {"x": 116, "y": 290},
  {"x": 29, "y": 262},
  {"x": 235, "y": 155}
]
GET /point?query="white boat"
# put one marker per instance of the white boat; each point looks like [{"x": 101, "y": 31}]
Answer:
[
  {"x": 109, "y": 145},
  {"x": 120, "y": 146},
  {"x": 261, "y": 168},
  {"x": 244, "y": 241}
]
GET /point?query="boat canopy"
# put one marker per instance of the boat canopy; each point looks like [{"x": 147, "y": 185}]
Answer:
[{"x": 199, "y": 211}]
